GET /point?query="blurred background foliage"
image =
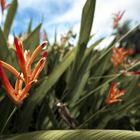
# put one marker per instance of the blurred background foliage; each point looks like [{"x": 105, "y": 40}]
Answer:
[{"x": 75, "y": 82}]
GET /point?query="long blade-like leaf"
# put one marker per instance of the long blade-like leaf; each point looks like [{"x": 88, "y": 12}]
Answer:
[
  {"x": 41, "y": 92},
  {"x": 86, "y": 25},
  {"x": 3, "y": 46},
  {"x": 33, "y": 39},
  {"x": 10, "y": 17},
  {"x": 78, "y": 134}
]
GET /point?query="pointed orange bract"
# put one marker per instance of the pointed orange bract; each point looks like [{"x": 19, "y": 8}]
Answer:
[
  {"x": 119, "y": 55},
  {"x": 114, "y": 94},
  {"x": 116, "y": 19},
  {"x": 11, "y": 69},
  {"x": 8, "y": 87},
  {"x": 35, "y": 53},
  {"x": 20, "y": 56},
  {"x": 28, "y": 76}
]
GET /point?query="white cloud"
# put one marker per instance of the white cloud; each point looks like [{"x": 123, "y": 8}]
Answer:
[
  {"x": 30, "y": 3},
  {"x": 72, "y": 15},
  {"x": 104, "y": 10},
  {"x": 102, "y": 24},
  {"x": 41, "y": 6}
]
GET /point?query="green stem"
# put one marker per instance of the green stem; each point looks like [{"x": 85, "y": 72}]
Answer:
[
  {"x": 108, "y": 81},
  {"x": 97, "y": 113},
  {"x": 96, "y": 89},
  {"x": 105, "y": 76},
  {"x": 9, "y": 118}
]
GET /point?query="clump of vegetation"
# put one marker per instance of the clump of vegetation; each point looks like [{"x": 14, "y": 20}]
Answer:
[{"x": 75, "y": 87}]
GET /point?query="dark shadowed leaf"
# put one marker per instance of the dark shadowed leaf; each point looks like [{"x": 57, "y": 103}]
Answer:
[
  {"x": 3, "y": 46},
  {"x": 33, "y": 39},
  {"x": 10, "y": 17}
]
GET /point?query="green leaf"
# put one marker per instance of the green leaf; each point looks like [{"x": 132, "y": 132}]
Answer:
[
  {"x": 33, "y": 39},
  {"x": 29, "y": 27},
  {"x": 46, "y": 111},
  {"x": 3, "y": 46},
  {"x": 113, "y": 78},
  {"x": 46, "y": 37},
  {"x": 55, "y": 37},
  {"x": 86, "y": 22},
  {"x": 57, "y": 72},
  {"x": 40, "y": 93},
  {"x": 77, "y": 87},
  {"x": 10, "y": 17},
  {"x": 86, "y": 25},
  {"x": 88, "y": 50},
  {"x": 77, "y": 135}
]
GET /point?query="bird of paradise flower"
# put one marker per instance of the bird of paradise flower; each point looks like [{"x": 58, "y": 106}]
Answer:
[
  {"x": 27, "y": 76},
  {"x": 114, "y": 94}
]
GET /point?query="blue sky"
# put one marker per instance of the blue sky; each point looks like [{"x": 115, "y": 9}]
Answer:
[{"x": 65, "y": 14}]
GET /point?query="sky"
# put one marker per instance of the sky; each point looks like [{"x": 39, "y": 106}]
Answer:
[{"x": 63, "y": 15}]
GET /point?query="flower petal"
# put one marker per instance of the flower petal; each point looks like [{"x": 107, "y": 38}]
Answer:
[
  {"x": 24, "y": 92},
  {"x": 119, "y": 94},
  {"x": 8, "y": 87},
  {"x": 11, "y": 69},
  {"x": 21, "y": 59},
  {"x": 114, "y": 94},
  {"x": 38, "y": 68},
  {"x": 36, "y": 52}
]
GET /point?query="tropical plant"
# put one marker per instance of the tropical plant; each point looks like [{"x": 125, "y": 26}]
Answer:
[{"x": 79, "y": 88}]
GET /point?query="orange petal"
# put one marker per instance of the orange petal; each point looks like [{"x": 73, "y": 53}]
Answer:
[
  {"x": 25, "y": 91},
  {"x": 36, "y": 52},
  {"x": 27, "y": 55},
  {"x": 11, "y": 69},
  {"x": 112, "y": 89},
  {"x": 110, "y": 102},
  {"x": 17, "y": 85},
  {"x": 38, "y": 68},
  {"x": 121, "y": 93},
  {"x": 20, "y": 56},
  {"x": 8, "y": 87}
]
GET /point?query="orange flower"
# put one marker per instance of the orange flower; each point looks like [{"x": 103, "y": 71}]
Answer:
[
  {"x": 27, "y": 75},
  {"x": 119, "y": 55},
  {"x": 116, "y": 19},
  {"x": 114, "y": 94},
  {"x": 25, "y": 59},
  {"x": 3, "y": 5}
]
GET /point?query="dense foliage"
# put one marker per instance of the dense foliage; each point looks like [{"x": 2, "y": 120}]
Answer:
[{"x": 72, "y": 89}]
